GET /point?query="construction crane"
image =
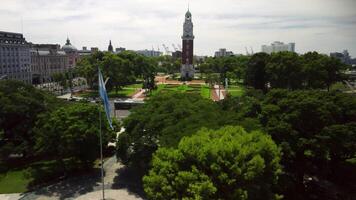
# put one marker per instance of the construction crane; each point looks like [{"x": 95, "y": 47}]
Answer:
[
  {"x": 251, "y": 51},
  {"x": 247, "y": 53},
  {"x": 166, "y": 49},
  {"x": 174, "y": 47}
]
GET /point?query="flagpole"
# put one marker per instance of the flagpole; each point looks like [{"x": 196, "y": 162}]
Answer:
[{"x": 101, "y": 156}]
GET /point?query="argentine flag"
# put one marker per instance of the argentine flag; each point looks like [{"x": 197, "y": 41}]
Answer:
[{"x": 104, "y": 97}]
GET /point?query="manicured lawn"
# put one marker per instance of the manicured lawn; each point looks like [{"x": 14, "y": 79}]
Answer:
[
  {"x": 127, "y": 91},
  {"x": 196, "y": 89},
  {"x": 236, "y": 90},
  {"x": 14, "y": 181},
  {"x": 205, "y": 92}
]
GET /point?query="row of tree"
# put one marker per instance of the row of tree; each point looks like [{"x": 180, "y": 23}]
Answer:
[
  {"x": 292, "y": 71},
  {"x": 121, "y": 69},
  {"x": 277, "y": 70},
  {"x": 314, "y": 132}
]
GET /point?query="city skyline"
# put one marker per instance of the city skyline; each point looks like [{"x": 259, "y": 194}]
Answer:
[{"x": 323, "y": 25}]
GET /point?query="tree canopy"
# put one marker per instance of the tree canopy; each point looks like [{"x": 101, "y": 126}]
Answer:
[
  {"x": 228, "y": 163},
  {"x": 289, "y": 70},
  {"x": 72, "y": 132},
  {"x": 20, "y": 108},
  {"x": 122, "y": 69},
  {"x": 162, "y": 121}
]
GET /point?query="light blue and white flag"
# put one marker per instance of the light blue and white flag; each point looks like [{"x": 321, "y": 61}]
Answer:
[{"x": 104, "y": 97}]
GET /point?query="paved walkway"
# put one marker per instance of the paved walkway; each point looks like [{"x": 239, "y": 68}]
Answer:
[
  {"x": 139, "y": 95},
  {"x": 120, "y": 184},
  {"x": 218, "y": 94}
]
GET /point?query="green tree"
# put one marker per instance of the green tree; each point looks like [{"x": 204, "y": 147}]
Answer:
[
  {"x": 256, "y": 75},
  {"x": 284, "y": 70},
  {"x": 162, "y": 121},
  {"x": 118, "y": 70},
  {"x": 314, "y": 67},
  {"x": 334, "y": 69},
  {"x": 20, "y": 107},
  {"x": 72, "y": 132},
  {"x": 228, "y": 163},
  {"x": 87, "y": 67},
  {"x": 301, "y": 123}
]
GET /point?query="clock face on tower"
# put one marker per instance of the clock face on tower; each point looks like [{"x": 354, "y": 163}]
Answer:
[{"x": 188, "y": 26}]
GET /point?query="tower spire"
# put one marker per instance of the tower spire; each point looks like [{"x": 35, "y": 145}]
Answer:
[{"x": 110, "y": 47}]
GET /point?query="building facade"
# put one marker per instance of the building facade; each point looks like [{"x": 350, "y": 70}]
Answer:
[
  {"x": 46, "y": 60},
  {"x": 278, "y": 47},
  {"x": 120, "y": 49},
  {"x": 187, "y": 68},
  {"x": 72, "y": 53},
  {"x": 149, "y": 53},
  {"x": 15, "y": 59},
  {"x": 344, "y": 57},
  {"x": 222, "y": 53}
]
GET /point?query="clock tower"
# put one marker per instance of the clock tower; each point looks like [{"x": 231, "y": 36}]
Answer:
[{"x": 187, "y": 68}]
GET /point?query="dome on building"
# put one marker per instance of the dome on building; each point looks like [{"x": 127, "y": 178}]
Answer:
[{"x": 68, "y": 46}]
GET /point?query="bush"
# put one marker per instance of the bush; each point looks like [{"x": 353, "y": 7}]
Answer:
[{"x": 225, "y": 164}]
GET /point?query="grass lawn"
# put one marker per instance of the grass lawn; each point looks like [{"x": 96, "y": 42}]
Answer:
[
  {"x": 236, "y": 90},
  {"x": 14, "y": 181},
  {"x": 22, "y": 179},
  {"x": 205, "y": 92},
  {"x": 127, "y": 91}
]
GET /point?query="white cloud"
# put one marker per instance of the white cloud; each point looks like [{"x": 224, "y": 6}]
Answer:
[{"x": 321, "y": 25}]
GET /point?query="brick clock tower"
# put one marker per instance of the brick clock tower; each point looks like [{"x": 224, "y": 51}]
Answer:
[{"x": 187, "y": 68}]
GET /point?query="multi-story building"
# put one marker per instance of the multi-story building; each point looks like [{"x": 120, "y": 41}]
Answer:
[
  {"x": 149, "y": 53},
  {"x": 86, "y": 52},
  {"x": 343, "y": 57},
  {"x": 15, "y": 59},
  {"x": 223, "y": 53},
  {"x": 72, "y": 53},
  {"x": 120, "y": 49},
  {"x": 46, "y": 60},
  {"x": 278, "y": 47}
]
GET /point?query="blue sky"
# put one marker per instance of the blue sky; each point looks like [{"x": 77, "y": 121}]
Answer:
[{"x": 314, "y": 25}]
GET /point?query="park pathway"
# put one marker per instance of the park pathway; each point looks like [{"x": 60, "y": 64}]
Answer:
[{"x": 218, "y": 94}]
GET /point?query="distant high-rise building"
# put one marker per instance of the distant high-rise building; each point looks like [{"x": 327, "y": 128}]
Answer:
[
  {"x": 149, "y": 53},
  {"x": 47, "y": 60},
  {"x": 15, "y": 59},
  {"x": 120, "y": 49},
  {"x": 278, "y": 47},
  {"x": 222, "y": 53},
  {"x": 110, "y": 47},
  {"x": 187, "y": 68},
  {"x": 344, "y": 57}
]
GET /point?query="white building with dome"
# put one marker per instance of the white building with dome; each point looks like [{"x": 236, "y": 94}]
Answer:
[{"x": 72, "y": 53}]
